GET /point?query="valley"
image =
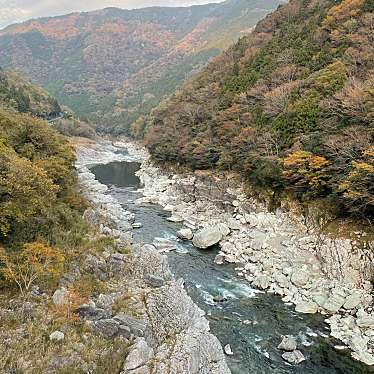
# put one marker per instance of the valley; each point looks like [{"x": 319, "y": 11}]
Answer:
[{"x": 188, "y": 190}]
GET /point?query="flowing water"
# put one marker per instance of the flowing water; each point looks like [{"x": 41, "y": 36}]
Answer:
[{"x": 252, "y": 322}]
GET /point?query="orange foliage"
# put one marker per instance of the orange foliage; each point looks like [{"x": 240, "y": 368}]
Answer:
[
  {"x": 36, "y": 261},
  {"x": 342, "y": 12},
  {"x": 66, "y": 310}
]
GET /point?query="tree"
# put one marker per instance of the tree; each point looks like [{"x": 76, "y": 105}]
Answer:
[
  {"x": 37, "y": 261},
  {"x": 306, "y": 173}
]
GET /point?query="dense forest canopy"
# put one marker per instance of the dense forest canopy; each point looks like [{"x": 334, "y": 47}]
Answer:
[
  {"x": 291, "y": 107},
  {"x": 38, "y": 189}
]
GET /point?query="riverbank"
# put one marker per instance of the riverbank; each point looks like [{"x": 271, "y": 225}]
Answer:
[
  {"x": 171, "y": 332},
  {"x": 316, "y": 273}
]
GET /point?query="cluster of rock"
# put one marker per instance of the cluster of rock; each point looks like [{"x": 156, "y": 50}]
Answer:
[
  {"x": 312, "y": 271},
  {"x": 292, "y": 355},
  {"x": 169, "y": 332}
]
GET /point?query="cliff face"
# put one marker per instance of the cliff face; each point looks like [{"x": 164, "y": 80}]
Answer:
[
  {"x": 114, "y": 65},
  {"x": 291, "y": 107}
]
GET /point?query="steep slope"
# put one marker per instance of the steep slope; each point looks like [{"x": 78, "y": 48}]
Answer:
[
  {"x": 291, "y": 107},
  {"x": 100, "y": 63},
  {"x": 17, "y": 94}
]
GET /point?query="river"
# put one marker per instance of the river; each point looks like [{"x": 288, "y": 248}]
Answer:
[{"x": 252, "y": 322}]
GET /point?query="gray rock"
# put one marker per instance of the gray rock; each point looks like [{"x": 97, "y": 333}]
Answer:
[
  {"x": 106, "y": 328},
  {"x": 352, "y": 301},
  {"x": 219, "y": 259},
  {"x": 60, "y": 296},
  {"x": 282, "y": 280},
  {"x": 89, "y": 312},
  {"x": 196, "y": 352},
  {"x": 137, "y": 225},
  {"x": 334, "y": 302},
  {"x": 207, "y": 237},
  {"x": 105, "y": 302},
  {"x": 262, "y": 282},
  {"x": 365, "y": 321},
  {"x": 116, "y": 263},
  {"x": 300, "y": 277},
  {"x": 306, "y": 307},
  {"x": 140, "y": 354},
  {"x": 153, "y": 280},
  {"x": 185, "y": 234},
  {"x": 57, "y": 336},
  {"x": 164, "y": 245},
  {"x": 96, "y": 267},
  {"x": 137, "y": 328},
  {"x": 175, "y": 218},
  {"x": 233, "y": 224},
  {"x": 224, "y": 229},
  {"x": 288, "y": 343},
  {"x": 148, "y": 261},
  {"x": 294, "y": 358}
]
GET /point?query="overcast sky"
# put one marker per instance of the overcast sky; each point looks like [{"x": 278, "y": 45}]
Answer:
[{"x": 12, "y": 11}]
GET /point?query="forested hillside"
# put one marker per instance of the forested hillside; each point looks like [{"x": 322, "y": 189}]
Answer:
[
  {"x": 40, "y": 217},
  {"x": 291, "y": 107},
  {"x": 19, "y": 95},
  {"x": 112, "y": 66}
]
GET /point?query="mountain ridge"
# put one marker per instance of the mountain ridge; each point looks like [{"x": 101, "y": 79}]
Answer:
[{"x": 88, "y": 60}]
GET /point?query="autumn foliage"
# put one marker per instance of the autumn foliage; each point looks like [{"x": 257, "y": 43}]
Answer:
[
  {"x": 36, "y": 262},
  {"x": 290, "y": 107}
]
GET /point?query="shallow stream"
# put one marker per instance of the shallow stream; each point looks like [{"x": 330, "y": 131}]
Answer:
[{"x": 252, "y": 322}]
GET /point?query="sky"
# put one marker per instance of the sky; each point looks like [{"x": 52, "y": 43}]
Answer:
[{"x": 12, "y": 11}]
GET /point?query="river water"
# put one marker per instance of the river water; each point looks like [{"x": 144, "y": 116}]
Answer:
[{"x": 252, "y": 322}]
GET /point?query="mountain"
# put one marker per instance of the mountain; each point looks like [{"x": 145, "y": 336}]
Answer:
[
  {"x": 114, "y": 65},
  {"x": 290, "y": 107},
  {"x": 20, "y": 95}
]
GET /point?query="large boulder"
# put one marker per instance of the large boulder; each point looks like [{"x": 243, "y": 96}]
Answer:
[{"x": 207, "y": 237}]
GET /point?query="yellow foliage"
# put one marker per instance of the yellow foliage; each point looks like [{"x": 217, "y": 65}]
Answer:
[
  {"x": 363, "y": 166},
  {"x": 305, "y": 170},
  {"x": 343, "y": 11},
  {"x": 37, "y": 261}
]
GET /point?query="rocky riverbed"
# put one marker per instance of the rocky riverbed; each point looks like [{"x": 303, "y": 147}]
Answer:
[
  {"x": 273, "y": 251},
  {"x": 168, "y": 333}
]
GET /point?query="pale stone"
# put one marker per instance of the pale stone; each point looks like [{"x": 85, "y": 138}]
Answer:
[
  {"x": 185, "y": 234},
  {"x": 207, "y": 237},
  {"x": 228, "y": 350},
  {"x": 353, "y": 300},
  {"x": 288, "y": 343},
  {"x": 262, "y": 282},
  {"x": 57, "y": 336},
  {"x": 300, "y": 278},
  {"x": 60, "y": 296},
  {"x": 366, "y": 321},
  {"x": 306, "y": 307},
  {"x": 294, "y": 358}
]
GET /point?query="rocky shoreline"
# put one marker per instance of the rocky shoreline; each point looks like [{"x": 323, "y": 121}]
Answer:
[
  {"x": 274, "y": 252},
  {"x": 167, "y": 333}
]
